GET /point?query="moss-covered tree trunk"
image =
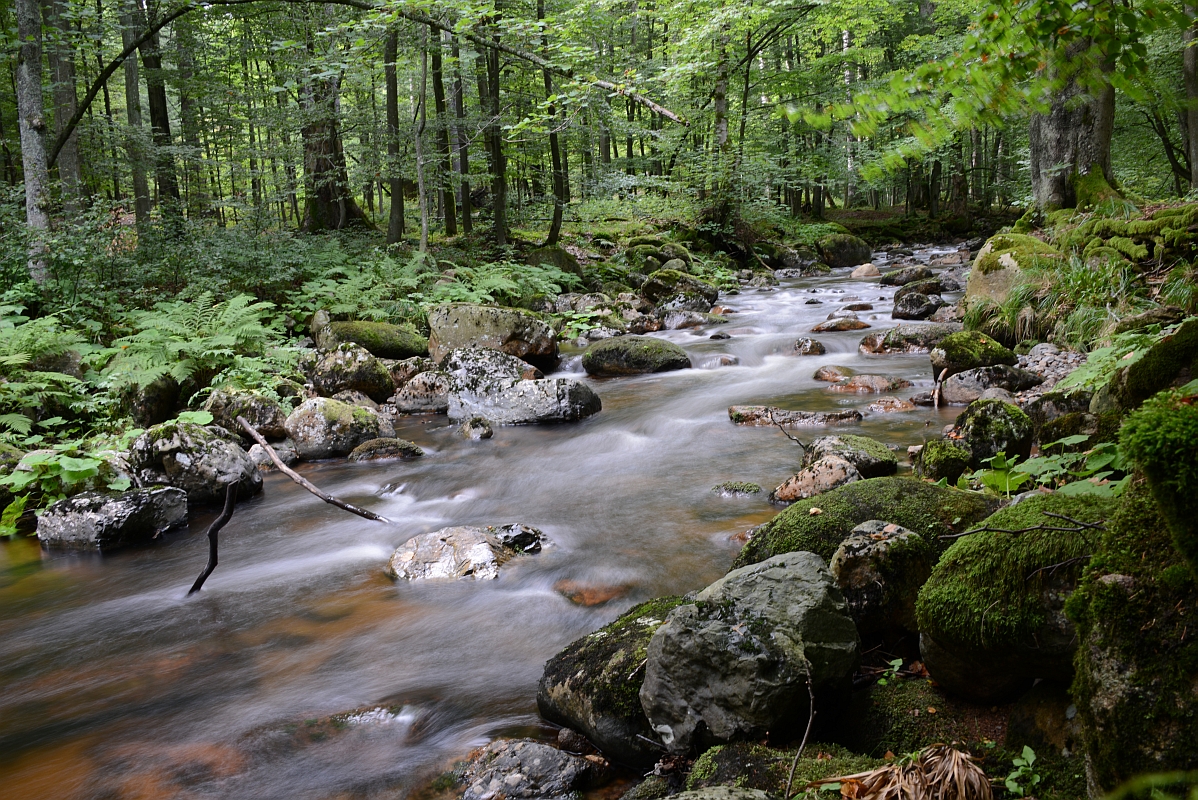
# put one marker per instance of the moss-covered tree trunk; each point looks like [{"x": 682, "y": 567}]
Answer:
[{"x": 1071, "y": 144}]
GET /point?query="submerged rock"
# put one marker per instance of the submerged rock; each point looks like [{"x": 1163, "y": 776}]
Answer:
[
  {"x": 634, "y": 355},
  {"x": 195, "y": 459},
  {"x": 735, "y": 663},
  {"x": 385, "y": 448},
  {"x": 518, "y": 768},
  {"x": 102, "y": 521},
  {"x": 476, "y": 428},
  {"x": 768, "y": 415},
  {"x": 462, "y": 552},
  {"x": 592, "y": 685},
  {"x": 864, "y": 384},
  {"x": 832, "y": 373}
]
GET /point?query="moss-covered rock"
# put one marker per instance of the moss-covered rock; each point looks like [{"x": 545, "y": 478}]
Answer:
[
  {"x": 513, "y": 331},
  {"x": 670, "y": 290},
  {"x": 1001, "y": 261},
  {"x": 991, "y": 616},
  {"x": 1174, "y": 357},
  {"x": 633, "y": 355},
  {"x": 908, "y": 338},
  {"x": 871, "y": 458},
  {"x": 593, "y": 685},
  {"x": 943, "y": 458},
  {"x": 879, "y": 569},
  {"x": 1137, "y": 661},
  {"x": 844, "y": 250},
  {"x": 755, "y": 766},
  {"x": 554, "y": 256},
  {"x": 967, "y": 350},
  {"x": 385, "y": 448},
  {"x": 263, "y": 413},
  {"x": 1162, "y": 440},
  {"x": 990, "y": 427},
  {"x": 350, "y": 368},
  {"x": 381, "y": 339},
  {"x": 820, "y": 524}
]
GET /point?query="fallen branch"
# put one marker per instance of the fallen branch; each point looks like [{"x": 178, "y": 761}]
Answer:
[
  {"x": 1052, "y": 568},
  {"x": 1080, "y": 526},
  {"x": 794, "y": 439},
  {"x": 803, "y": 744},
  {"x": 213, "y": 529},
  {"x": 295, "y": 476}
]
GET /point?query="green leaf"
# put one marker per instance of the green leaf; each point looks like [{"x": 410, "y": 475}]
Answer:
[
  {"x": 12, "y": 513},
  {"x": 198, "y": 417},
  {"x": 120, "y": 484}
]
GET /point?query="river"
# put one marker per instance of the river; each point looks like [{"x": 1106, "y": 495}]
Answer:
[{"x": 116, "y": 685}]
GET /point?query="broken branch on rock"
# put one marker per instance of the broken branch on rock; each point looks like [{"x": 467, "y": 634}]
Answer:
[{"x": 295, "y": 476}]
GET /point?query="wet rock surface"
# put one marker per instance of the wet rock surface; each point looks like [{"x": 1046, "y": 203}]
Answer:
[
  {"x": 462, "y": 552},
  {"x": 519, "y": 768},
  {"x": 106, "y": 521},
  {"x": 195, "y": 459}
]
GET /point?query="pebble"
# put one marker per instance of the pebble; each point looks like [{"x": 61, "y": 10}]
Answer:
[{"x": 1050, "y": 363}]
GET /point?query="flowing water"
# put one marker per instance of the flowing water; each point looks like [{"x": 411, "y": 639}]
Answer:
[{"x": 116, "y": 685}]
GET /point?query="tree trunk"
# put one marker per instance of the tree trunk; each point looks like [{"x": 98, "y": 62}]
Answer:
[
  {"x": 446, "y": 167},
  {"x": 32, "y": 123},
  {"x": 934, "y": 191},
  {"x": 60, "y": 54},
  {"x": 160, "y": 119},
  {"x": 1072, "y": 140},
  {"x": 395, "y": 221},
  {"x": 136, "y": 139},
  {"x": 555, "y": 153},
  {"x": 197, "y": 197},
  {"x": 461, "y": 142},
  {"x": 1190, "y": 73},
  {"x": 421, "y": 184},
  {"x": 495, "y": 148}
]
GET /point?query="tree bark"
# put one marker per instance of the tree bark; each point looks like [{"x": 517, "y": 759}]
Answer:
[
  {"x": 395, "y": 221},
  {"x": 32, "y": 123},
  {"x": 495, "y": 149},
  {"x": 60, "y": 56},
  {"x": 160, "y": 116},
  {"x": 1074, "y": 138},
  {"x": 1190, "y": 73},
  {"x": 555, "y": 153},
  {"x": 461, "y": 142},
  {"x": 135, "y": 142},
  {"x": 421, "y": 184},
  {"x": 445, "y": 173},
  {"x": 194, "y": 190}
]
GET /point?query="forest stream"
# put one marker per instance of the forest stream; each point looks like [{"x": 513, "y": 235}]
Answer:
[{"x": 118, "y": 685}]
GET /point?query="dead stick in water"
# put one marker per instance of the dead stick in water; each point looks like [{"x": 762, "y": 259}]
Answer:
[
  {"x": 295, "y": 476},
  {"x": 213, "y": 530}
]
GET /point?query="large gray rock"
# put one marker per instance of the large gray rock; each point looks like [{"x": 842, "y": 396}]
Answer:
[
  {"x": 462, "y": 552},
  {"x": 901, "y": 277},
  {"x": 490, "y": 384},
  {"x": 382, "y": 339},
  {"x": 990, "y": 427},
  {"x": 513, "y": 331},
  {"x": 100, "y": 521},
  {"x": 908, "y": 338},
  {"x": 517, "y": 768},
  {"x": 323, "y": 428},
  {"x": 880, "y": 568},
  {"x": 916, "y": 306},
  {"x": 592, "y": 685},
  {"x": 425, "y": 393},
  {"x": 350, "y": 368},
  {"x": 871, "y": 458},
  {"x": 965, "y": 387},
  {"x": 193, "y": 458},
  {"x": 844, "y": 250},
  {"x": 735, "y": 663},
  {"x": 671, "y": 290},
  {"x": 634, "y": 355},
  {"x": 264, "y": 414}
]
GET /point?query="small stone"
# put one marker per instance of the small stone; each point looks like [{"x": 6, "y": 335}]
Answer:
[
  {"x": 863, "y": 384},
  {"x": 809, "y": 347},
  {"x": 832, "y": 373},
  {"x": 385, "y": 448},
  {"x": 720, "y": 335},
  {"x": 842, "y": 324},
  {"x": 586, "y": 595},
  {"x": 888, "y": 405},
  {"x": 867, "y": 270},
  {"x": 476, "y": 428},
  {"x": 822, "y": 476}
]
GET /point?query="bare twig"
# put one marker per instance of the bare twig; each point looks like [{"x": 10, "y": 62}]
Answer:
[
  {"x": 295, "y": 476},
  {"x": 795, "y": 439},
  {"x": 213, "y": 530},
  {"x": 1051, "y": 568},
  {"x": 936, "y": 389},
  {"x": 1080, "y": 527},
  {"x": 803, "y": 744}
]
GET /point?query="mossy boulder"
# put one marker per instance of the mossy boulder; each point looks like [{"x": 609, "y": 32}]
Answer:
[
  {"x": 382, "y": 339},
  {"x": 592, "y": 686},
  {"x": 967, "y": 350},
  {"x": 322, "y": 428},
  {"x": 754, "y": 766},
  {"x": 991, "y": 616},
  {"x": 1162, "y": 440},
  {"x": 906, "y": 275},
  {"x": 943, "y": 458},
  {"x": 385, "y": 449},
  {"x": 820, "y": 524},
  {"x": 263, "y": 413},
  {"x": 557, "y": 257},
  {"x": 1001, "y": 261},
  {"x": 633, "y": 355},
  {"x": 1137, "y": 658},
  {"x": 844, "y": 250},
  {"x": 879, "y": 569},
  {"x": 1171, "y": 360},
  {"x": 350, "y": 368},
  {"x": 671, "y": 290},
  {"x": 908, "y": 338},
  {"x": 201, "y": 461},
  {"x": 990, "y": 427},
  {"x": 513, "y": 331},
  {"x": 871, "y": 458}
]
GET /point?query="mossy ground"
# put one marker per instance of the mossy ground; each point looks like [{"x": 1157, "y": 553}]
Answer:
[
  {"x": 985, "y": 591},
  {"x": 907, "y": 714},
  {"x": 928, "y": 510},
  {"x": 1137, "y": 665},
  {"x": 754, "y": 766}
]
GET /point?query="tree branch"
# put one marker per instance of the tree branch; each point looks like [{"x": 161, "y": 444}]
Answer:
[
  {"x": 295, "y": 476},
  {"x": 1080, "y": 526},
  {"x": 213, "y": 529}
]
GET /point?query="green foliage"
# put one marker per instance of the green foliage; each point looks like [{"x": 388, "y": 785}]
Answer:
[
  {"x": 12, "y": 513},
  {"x": 1024, "y": 777},
  {"x": 1099, "y": 471},
  {"x": 891, "y": 671},
  {"x": 1124, "y": 350},
  {"x": 55, "y": 473}
]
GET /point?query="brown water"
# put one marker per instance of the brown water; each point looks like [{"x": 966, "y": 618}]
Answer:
[{"x": 116, "y": 685}]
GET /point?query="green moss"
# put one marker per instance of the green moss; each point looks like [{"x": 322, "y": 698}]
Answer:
[
  {"x": 1127, "y": 248},
  {"x": 736, "y": 487},
  {"x": 651, "y": 241},
  {"x": 1092, "y": 189},
  {"x": 1137, "y": 664},
  {"x": 894, "y": 717},
  {"x": 931, "y": 511},
  {"x": 1025, "y": 250},
  {"x": 1162, "y": 440},
  {"x": 382, "y": 339},
  {"x": 966, "y": 350},
  {"x": 557, "y": 257},
  {"x": 942, "y": 458},
  {"x": 985, "y": 593},
  {"x": 755, "y": 766},
  {"x": 1158, "y": 367},
  {"x": 988, "y": 427},
  {"x": 628, "y": 355}
]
